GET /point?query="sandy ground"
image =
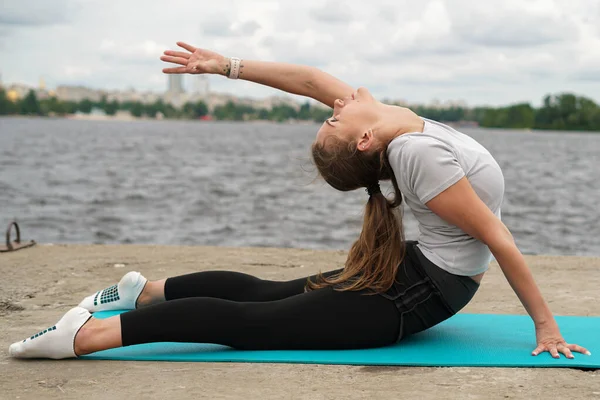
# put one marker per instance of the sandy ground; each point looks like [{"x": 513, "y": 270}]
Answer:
[{"x": 41, "y": 283}]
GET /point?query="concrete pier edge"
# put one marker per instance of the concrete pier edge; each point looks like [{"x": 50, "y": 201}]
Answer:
[{"x": 39, "y": 284}]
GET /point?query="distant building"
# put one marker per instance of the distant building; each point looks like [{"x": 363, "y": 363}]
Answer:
[
  {"x": 13, "y": 96},
  {"x": 175, "y": 84},
  {"x": 175, "y": 95},
  {"x": 77, "y": 93},
  {"x": 17, "y": 91},
  {"x": 201, "y": 85}
]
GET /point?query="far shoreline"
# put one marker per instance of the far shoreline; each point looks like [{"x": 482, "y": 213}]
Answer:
[{"x": 106, "y": 118}]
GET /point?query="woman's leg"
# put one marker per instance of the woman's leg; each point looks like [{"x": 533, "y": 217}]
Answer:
[
  {"x": 227, "y": 285},
  {"x": 230, "y": 285},
  {"x": 320, "y": 319},
  {"x": 134, "y": 291}
]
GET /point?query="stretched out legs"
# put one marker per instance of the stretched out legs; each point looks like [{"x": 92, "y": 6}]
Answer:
[
  {"x": 321, "y": 319},
  {"x": 227, "y": 308}
]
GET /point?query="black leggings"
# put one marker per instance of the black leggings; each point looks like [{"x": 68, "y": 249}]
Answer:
[{"x": 246, "y": 312}]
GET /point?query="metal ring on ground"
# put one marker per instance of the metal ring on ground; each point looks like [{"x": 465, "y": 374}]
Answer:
[{"x": 14, "y": 245}]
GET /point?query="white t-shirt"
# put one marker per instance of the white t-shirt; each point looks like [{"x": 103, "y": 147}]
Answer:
[{"x": 427, "y": 163}]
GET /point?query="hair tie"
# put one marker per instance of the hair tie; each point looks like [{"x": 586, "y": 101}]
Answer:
[{"x": 373, "y": 189}]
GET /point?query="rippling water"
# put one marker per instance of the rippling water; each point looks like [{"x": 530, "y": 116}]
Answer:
[{"x": 252, "y": 184}]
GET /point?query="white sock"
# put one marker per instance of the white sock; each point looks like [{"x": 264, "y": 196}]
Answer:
[
  {"x": 121, "y": 296},
  {"x": 55, "y": 342}
]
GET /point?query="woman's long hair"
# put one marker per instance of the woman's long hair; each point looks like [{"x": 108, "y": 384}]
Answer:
[{"x": 374, "y": 258}]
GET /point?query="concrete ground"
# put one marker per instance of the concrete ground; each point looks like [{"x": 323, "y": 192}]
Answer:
[{"x": 39, "y": 284}]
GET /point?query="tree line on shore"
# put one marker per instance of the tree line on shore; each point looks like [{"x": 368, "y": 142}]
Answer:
[
  {"x": 230, "y": 111},
  {"x": 564, "y": 111}
]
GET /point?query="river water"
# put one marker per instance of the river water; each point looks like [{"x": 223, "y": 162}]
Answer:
[{"x": 252, "y": 184}]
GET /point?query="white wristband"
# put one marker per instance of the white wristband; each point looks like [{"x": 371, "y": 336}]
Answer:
[{"x": 234, "y": 73}]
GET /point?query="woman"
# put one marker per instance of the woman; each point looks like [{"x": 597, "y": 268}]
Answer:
[{"x": 388, "y": 288}]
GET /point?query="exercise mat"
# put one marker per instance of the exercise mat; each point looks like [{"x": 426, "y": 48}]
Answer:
[{"x": 466, "y": 340}]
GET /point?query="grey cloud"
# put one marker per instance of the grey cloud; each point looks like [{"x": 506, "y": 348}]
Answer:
[
  {"x": 331, "y": 13},
  {"x": 511, "y": 37},
  {"x": 537, "y": 73},
  {"x": 133, "y": 60},
  {"x": 441, "y": 47},
  {"x": 269, "y": 41},
  {"x": 307, "y": 59},
  {"x": 589, "y": 75},
  {"x": 3, "y": 37},
  {"x": 28, "y": 20},
  {"x": 288, "y": 50},
  {"x": 458, "y": 82},
  {"x": 113, "y": 76},
  {"x": 217, "y": 25},
  {"x": 516, "y": 29},
  {"x": 425, "y": 81},
  {"x": 220, "y": 26},
  {"x": 444, "y": 48},
  {"x": 248, "y": 28},
  {"x": 36, "y": 13},
  {"x": 388, "y": 14}
]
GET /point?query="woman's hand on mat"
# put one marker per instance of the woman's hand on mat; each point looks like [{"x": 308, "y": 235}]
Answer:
[
  {"x": 194, "y": 61},
  {"x": 549, "y": 339}
]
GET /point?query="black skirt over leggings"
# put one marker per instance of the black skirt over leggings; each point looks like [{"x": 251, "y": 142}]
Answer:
[{"x": 246, "y": 312}]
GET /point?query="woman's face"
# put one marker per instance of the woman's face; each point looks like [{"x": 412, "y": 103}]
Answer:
[{"x": 352, "y": 116}]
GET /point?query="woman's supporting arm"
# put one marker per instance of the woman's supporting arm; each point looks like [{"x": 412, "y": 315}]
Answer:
[
  {"x": 296, "y": 79},
  {"x": 460, "y": 206},
  {"x": 502, "y": 245}
]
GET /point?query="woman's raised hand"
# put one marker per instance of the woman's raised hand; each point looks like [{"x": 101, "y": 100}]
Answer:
[{"x": 194, "y": 61}]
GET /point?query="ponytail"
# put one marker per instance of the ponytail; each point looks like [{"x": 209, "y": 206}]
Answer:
[{"x": 374, "y": 258}]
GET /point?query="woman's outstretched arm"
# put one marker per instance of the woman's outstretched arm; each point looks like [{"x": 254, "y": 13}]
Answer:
[{"x": 296, "y": 79}]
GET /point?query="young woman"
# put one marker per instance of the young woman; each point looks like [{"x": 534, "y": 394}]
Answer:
[{"x": 388, "y": 289}]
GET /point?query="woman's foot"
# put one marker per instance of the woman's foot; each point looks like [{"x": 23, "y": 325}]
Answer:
[
  {"x": 56, "y": 342},
  {"x": 122, "y": 296}
]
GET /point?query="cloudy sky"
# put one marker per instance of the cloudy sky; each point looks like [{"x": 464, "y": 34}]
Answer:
[{"x": 479, "y": 51}]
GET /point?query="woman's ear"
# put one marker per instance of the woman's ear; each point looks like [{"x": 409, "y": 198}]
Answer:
[{"x": 366, "y": 141}]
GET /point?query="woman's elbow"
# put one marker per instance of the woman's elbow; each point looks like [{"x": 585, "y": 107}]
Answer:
[
  {"x": 310, "y": 82},
  {"x": 497, "y": 237}
]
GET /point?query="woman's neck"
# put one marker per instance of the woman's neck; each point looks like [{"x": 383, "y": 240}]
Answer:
[{"x": 394, "y": 121}]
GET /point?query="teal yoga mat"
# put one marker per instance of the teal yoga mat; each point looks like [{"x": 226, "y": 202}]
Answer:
[{"x": 475, "y": 340}]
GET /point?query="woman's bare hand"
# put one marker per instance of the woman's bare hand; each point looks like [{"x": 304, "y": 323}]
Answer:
[
  {"x": 195, "y": 61},
  {"x": 549, "y": 339}
]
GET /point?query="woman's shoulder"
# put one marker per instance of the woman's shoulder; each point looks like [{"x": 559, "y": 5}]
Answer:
[{"x": 416, "y": 142}]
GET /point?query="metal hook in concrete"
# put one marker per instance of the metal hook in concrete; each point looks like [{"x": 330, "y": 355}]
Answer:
[{"x": 16, "y": 244}]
